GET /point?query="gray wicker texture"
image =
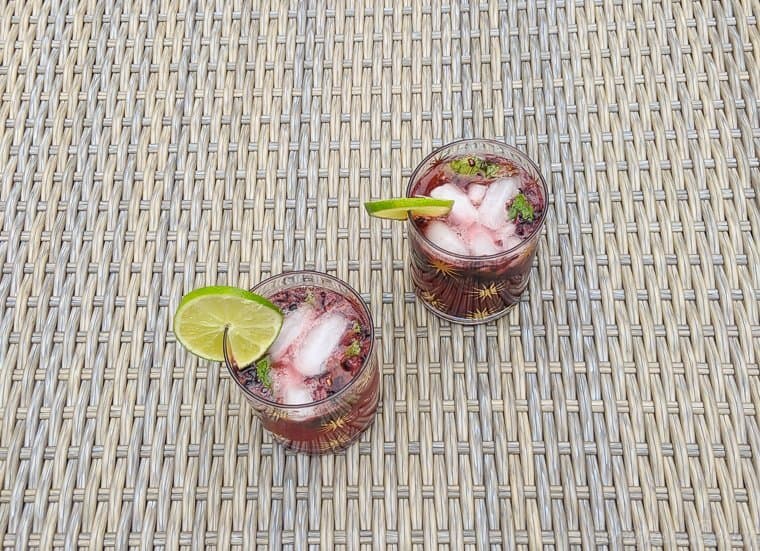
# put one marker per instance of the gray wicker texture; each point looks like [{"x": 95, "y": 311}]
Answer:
[{"x": 148, "y": 148}]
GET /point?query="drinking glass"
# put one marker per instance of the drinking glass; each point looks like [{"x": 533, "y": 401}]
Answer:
[
  {"x": 333, "y": 423},
  {"x": 471, "y": 289}
]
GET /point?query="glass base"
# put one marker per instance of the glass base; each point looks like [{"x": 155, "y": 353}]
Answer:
[
  {"x": 465, "y": 321},
  {"x": 308, "y": 448}
]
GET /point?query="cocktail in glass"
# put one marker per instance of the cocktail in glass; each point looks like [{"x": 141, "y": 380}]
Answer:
[
  {"x": 472, "y": 265},
  {"x": 317, "y": 388}
]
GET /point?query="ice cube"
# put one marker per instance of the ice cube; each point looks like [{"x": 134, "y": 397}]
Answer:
[
  {"x": 319, "y": 342},
  {"x": 481, "y": 242},
  {"x": 445, "y": 237},
  {"x": 476, "y": 192},
  {"x": 510, "y": 242},
  {"x": 493, "y": 210},
  {"x": 504, "y": 234},
  {"x": 463, "y": 212},
  {"x": 294, "y": 324},
  {"x": 294, "y": 394}
]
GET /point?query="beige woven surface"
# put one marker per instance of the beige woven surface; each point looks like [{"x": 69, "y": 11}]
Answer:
[{"x": 147, "y": 150}]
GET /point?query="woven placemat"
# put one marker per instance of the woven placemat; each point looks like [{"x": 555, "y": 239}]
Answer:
[{"x": 145, "y": 153}]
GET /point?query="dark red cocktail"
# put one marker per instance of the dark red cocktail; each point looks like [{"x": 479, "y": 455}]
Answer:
[
  {"x": 316, "y": 390},
  {"x": 472, "y": 265}
]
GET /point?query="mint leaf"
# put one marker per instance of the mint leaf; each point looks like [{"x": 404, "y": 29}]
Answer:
[
  {"x": 357, "y": 328},
  {"x": 353, "y": 349},
  {"x": 490, "y": 169},
  {"x": 522, "y": 208},
  {"x": 263, "y": 372},
  {"x": 470, "y": 166},
  {"x": 463, "y": 166}
]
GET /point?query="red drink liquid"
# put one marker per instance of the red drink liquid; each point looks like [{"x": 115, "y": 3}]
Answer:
[
  {"x": 472, "y": 265},
  {"x": 317, "y": 388}
]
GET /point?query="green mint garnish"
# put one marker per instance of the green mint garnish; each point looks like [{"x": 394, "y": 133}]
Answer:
[
  {"x": 491, "y": 169},
  {"x": 262, "y": 372},
  {"x": 357, "y": 328},
  {"x": 470, "y": 166},
  {"x": 521, "y": 207},
  {"x": 353, "y": 349}
]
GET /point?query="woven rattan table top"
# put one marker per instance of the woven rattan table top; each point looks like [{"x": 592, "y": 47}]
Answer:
[{"x": 150, "y": 148}]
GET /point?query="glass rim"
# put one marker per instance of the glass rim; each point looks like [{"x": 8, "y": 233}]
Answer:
[
  {"x": 347, "y": 386},
  {"x": 470, "y": 258}
]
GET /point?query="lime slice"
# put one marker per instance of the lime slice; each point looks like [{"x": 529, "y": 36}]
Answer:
[
  {"x": 397, "y": 209},
  {"x": 204, "y": 313}
]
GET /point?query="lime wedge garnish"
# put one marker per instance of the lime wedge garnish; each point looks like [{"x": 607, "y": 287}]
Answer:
[
  {"x": 203, "y": 315},
  {"x": 397, "y": 209}
]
